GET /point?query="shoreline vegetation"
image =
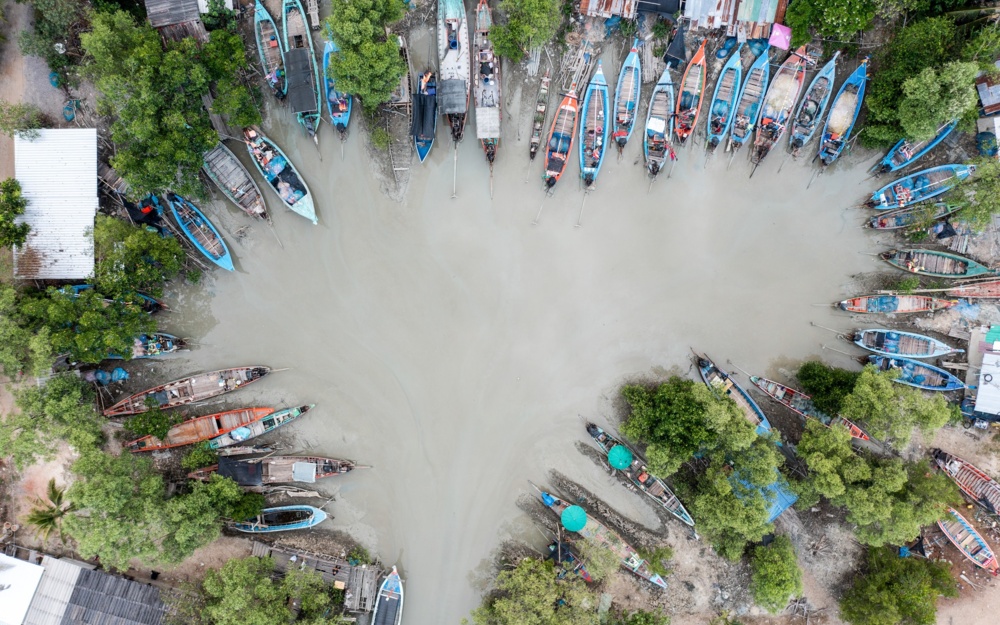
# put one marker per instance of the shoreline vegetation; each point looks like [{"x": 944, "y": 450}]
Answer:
[{"x": 706, "y": 448}]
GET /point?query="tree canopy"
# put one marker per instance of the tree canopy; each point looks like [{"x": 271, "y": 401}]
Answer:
[
  {"x": 12, "y": 204},
  {"x": 21, "y": 349},
  {"x": 826, "y": 385},
  {"x": 979, "y": 194},
  {"x": 21, "y": 120},
  {"x": 896, "y": 591},
  {"x": 936, "y": 95},
  {"x": 776, "y": 574},
  {"x": 130, "y": 259},
  {"x": 601, "y": 562},
  {"x": 530, "y": 594},
  {"x": 530, "y": 23},
  {"x": 836, "y": 19}
]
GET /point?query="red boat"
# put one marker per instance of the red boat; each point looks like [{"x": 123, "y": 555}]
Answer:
[
  {"x": 561, "y": 137},
  {"x": 979, "y": 290},
  {"x": 200, "y": 429},
  {"x": 894, "y": 304},
  {"x": 692, "y": 92},
  {"x": 980, "y": 487}
]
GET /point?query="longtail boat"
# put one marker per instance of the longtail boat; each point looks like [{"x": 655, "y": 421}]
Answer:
[
  {"x": 656, "y": 143},
  {"x": 245, "y": 450},
  {"x": 894, "y": 304},
  {"x": 560, "y": 141},
  {"x": 973, "y": 546},
  {"x": 538, "y": 120},
  {"x": 843, "y": 115},
  {"x": 283, "y": 519},
  {"x": 692, "y": 92},
  {"x": 280, "y": 174},
  {"x": 453, "y": 65},
  {"x": 639, "y": 475},
  {"x": 599, "y": 533},
  {"x": 918, "y": 187},
  {"x": 802, "y": 404},
  {"x": 898, "y": 343},
  {"x": 338, "y": 103},
  {"x": 722, "y": 383},
  {"x": 978, "y": 290},
  {"x": 235, "y": 182},
  {"x": 751, "y": 98},
  {"x": 389, "y": 604},
  {"x": 276, "y": 470},
  {"x": 916, "y": 215},
  {"x": 978, "y": 486},
  {"x": 153, "y": 344},
  {"x": 907, "y": 152},
  {"x": 918, "y": 374},
  {"x": 201, "y": 232},
  {"x": 272, "y": 58},
  {"x": 594, "y": 127},
  {"x": 260, "y": 427},
  {"x": 936, "y": 264},
  {"x": 200, "y": 429},
  {"x": 813, "y": 105},
  {"x": 424, "y": 122},
  {"x": 189, "y": 390},
  {"x": 489, "y": 107},
  {"x": 627, "y": 93},
  {"x": 778, "y": 104},
  {"x": 723, "y": 103},
  {"x": 304, "y": 89}
]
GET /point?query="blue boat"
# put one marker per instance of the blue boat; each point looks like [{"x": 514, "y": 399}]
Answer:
[
  {"x": 201, "y": 232},
  {"x": 594, "y": 129},
  {"x": 338, "y": 104},
  {"x": 899, "y": 343},
  {"x": 627, "y": 97},
  {"x": 749, "y": 103},
  {"x": 727, "y": 91},
  {"x": 918, "y": 374},
  {"x": 721, "y": 382},
  {"x": 304, "y": 89},
  {"x": 905, "y": 153},
  {"x": 280, "y": 173},
  {"x": 813, "y": 105},
  {"x": 424, "y": 121},
  {"x": 282, "y": 519},
  {"x": 272, "y": 56},
  {"x": 260, "y": 427},
  {"x": 389, "y": 604},
  {"x": 923, "y": 185},
  {"x": 153, "y": 344},
  {"x": 843, "y": 115},
  {"x": 659, "y": 125}
]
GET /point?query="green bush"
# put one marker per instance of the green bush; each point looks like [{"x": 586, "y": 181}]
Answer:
[
  {"x": 833, "y": 19},
  {"x": 776, "y": 575},
  {"x": 529, "y": 24},
  {"x": 896, "y": 590},
  {"x": 827, "y": 385},
  {"x": 199, "y": 456}
]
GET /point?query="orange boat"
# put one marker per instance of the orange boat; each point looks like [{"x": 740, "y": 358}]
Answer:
[
  {"x": 978, "y": 290},
  {"x": 200, "y": 429},
  {"x": 561, "y": 137},
  {"x": 692, "y": 92}
]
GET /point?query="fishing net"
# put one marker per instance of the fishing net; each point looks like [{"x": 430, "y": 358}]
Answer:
[
  {"x": 782, "y": 90},
  {"x": 843, "y": 113}
]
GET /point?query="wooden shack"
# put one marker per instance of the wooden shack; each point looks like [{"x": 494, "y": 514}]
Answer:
[{"x": 176, "y": 19}]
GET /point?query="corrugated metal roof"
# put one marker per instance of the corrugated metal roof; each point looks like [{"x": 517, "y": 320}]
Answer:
[
  {"x": 19, "y": 582},
  {"x": 58, "y": 176},
  {"x": 988, "y": 396},
  {"x": 167, "y": 12},
  {"x": 54, "y": 591}
]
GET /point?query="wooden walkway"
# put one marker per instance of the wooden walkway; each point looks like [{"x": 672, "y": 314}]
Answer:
[{"x": 360, "y": 583}]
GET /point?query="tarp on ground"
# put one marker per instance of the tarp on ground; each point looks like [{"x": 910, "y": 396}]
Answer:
[
  {"x": 676, "y": 52},
  {"x": 487, "y": 122},
  {"x": 424, "y": 111},
  {"x": 452, "y": 96},
  {"x": 778, "y": 494},
  {"x": 301, "y": 81},
  {"x": 242, "y": 472}
]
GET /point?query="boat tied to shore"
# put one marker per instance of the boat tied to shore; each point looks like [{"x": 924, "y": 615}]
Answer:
[
  {"x": 594, "y": 127},
  {"x": 259, "y": 472},
  {"x": 899, "y": 343},
  {"x": 722, "y": 383},
  {"x": 656, "y": 142},
  {"x": 189, "y": 390},
  {"x": 810, "y": 111},
  {"x": 844, "y": 114},
  {"x": 779, "y": 101},
  {"x": 489, "y": 105},
  {"x": 454, "y": 65},
  {"x": 723, "y": 103},
  {"x": 917, "y": 374},
  {"x": 272, "y": 55},
  {"x": 538, "y": 119},
  {"x": 749, "y": 103},
  {"x": 915, "y": 216},
  {"x": 282, "y": 519},
  {"x": 920, "y": 186},
  {"x": 979, "y": 487},
  {"x": 989, "y": 289},
  {"x": 200, "y": 231},
  {"x": 280, "y": 174},
  {"x": 304, "y": 89},
  {"x": 424, "y": 121},
  {"x": 906, "y": 152},
  {"x": 968, "y": 541},
  {"x": 801, "y": 404},
  {"x": 389, "y": 604},
  {"x": 627, "y": 93},
  {"x": 260, "y": 427},
  {"x": 235, "y": 182},
  {"x": 935, "y": 263},
  {"x": 692, "y": 92},
  {"x": 153, "y": 344},
  {"x": 560, "y": 142},
  {"x": 200, "y": 429},
  {"x": 338, "y": 103},
  {"x": 887, "y": 304}
]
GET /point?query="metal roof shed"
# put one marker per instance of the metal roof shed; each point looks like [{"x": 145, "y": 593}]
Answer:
[
  {"x": 18, "y": 581},
  {"x": 58, "y": 176},
  {"x": 988, "y": 395}
]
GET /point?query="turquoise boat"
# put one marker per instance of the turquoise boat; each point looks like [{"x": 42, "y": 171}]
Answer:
[
  {"x": 627, "y": 93},
  {"x": 721, "y": 382},
  {"x": 923, "y": 185},
  {"x": 843, "y": 115},
  {"x": 254, "y": 429},
  {"x": 749, "y": 103},
  {"x": 659, "y": 125},
  {"x": 280, "y": 174},
  {"x": 727, "y": 90},
  {"x": 272, "y": 56},
  {"x": 936, "y": 264},
  {"x": 304, "y": 89},
  {"x": 338, "y": 103},
  {"x": 813, "y": 105},
  {"x": 201, "y": 232},
  {"x": 918, "y": 374},
  {"x": 389, "y": 605},
  {"x": 424, "y": 117},
  {"x": 594, "y": 129},
  {"x": 899, "y": 343},
  {"x": 905, "y": 153},
  {"x": 153, "y": 344},
  {"x": 283, "y": 519}
]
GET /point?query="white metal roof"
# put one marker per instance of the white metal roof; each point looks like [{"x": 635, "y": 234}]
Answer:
[
  {"x": 18, "y": 580},
  {"x": 988, "y": 395},
  {"x": 58, "y": 176}
]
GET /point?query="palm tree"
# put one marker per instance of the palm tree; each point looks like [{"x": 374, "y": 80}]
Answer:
[{"x": 48, "y": 516}]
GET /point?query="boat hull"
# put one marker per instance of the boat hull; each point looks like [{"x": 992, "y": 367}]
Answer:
[
  {"x": 282, "y": 519},
  {"x": 918, "y": 374}
]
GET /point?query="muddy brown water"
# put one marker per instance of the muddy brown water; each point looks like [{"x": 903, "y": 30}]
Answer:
[{"x": 455, "y": 346}]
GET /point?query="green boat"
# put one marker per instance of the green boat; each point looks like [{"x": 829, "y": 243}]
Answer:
[{"x": 936, "y": 264}]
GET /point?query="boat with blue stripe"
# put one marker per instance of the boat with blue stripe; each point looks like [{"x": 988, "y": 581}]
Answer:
[
  {"x": 200, "y": 231},
  {"x": 923, "y": 185},
  {"x": 907, "y": 152},
  {"x": 594, "y": 127},
  {"x": 843, "y": 115},
  {"x": 813, "y": 105},
  {"x": 389, "y": 605},
  {"x": 338, "y": 103},
  {"x": 282, "y": 519},
  {"x": 627, "y": 93},
  {"x": 723, "y": 105},
  {"x": 721, "y": 382},
  {"x": 918, "y": 374}
]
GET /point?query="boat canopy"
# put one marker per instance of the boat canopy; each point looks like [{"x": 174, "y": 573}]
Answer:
[
  {"x": 452, "y": 96},
  {"x": 423, "y": 115},
  {"x": 304, "y": 472},
  {"x": 301, "y": 84},
  {"x": 487, "y": 122},
  {"x": 242, "y": 472}
]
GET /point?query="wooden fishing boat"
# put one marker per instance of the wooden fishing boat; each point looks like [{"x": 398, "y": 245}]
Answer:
[
  {"x": 282, "y": 519},
  {"x": 280, "y": 174},
  {"x": 189, "y": 390},
  {"x": 272, "y": 57},
  {"x": 936, "y": 264},
  {"x": 260, "y": 427},
  {"x": 153, "y": 344},
  {"x": 200, "y": 429},
  {"x": 894, "y": 304},
  {"x": 918, "y": 374},
  {"x": 638, "y": 473},
  {"x": 973, "y": 546},
  {"x": 899, "y": 343},
  {"x": 594, "y": 127},
  {"x": 245, "y": 450},
  {"x": 424, "y": 122},
  {"x": 338, "y": 103},
  {"x": 304, "y": 88},
  {"x": 489, "y": 107},
  {"x": 751, "y": 98},
  {"x": 802, "y": 404},
  {"x": 599, "y": 533},
  {"x": 627, "y": 93},
  {"x": 389, "y": 604},
  {"x": 656, "y": 143},
  {"x": 813, "y": 105},
  {"x": 235, "y": 182},
  {"x": 779, "y": 102},
  {"x": 918, "y": 187},
  {"x": 916, "y": 215},
  {"x": 453, "y": 65},
  {"x": 723, "y": 103},
  {"x": 692, "y": 92},
  {"x": 905, "y": 153},
  {"x": 259, "y": 472},
  {"x": 989, "y": 289},
  {"x": 722, "y": 383},
  {"x": 538, "y": 120},
  {"x": 979, "y": 487},
  {"x": 843, "y": 115},
  {"x": 560, "y": 141},
  {"x": 201, "y": 232}
]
